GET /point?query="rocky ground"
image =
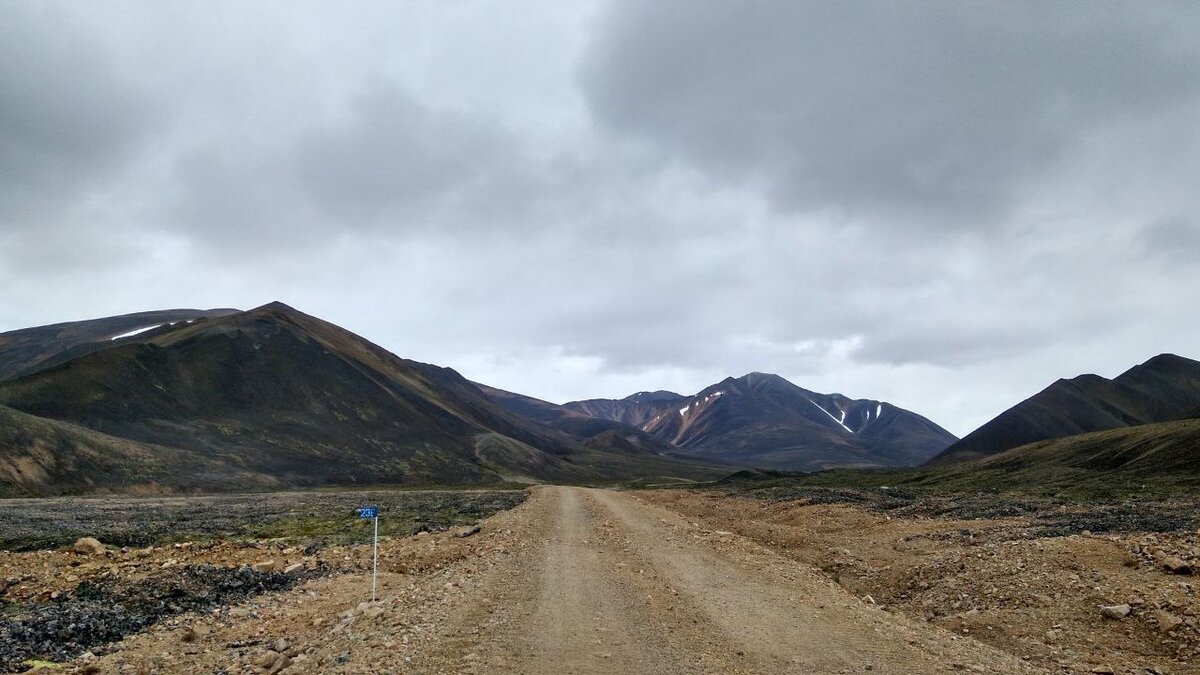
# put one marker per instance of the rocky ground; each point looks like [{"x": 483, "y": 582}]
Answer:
[
  {"x": 77, "y": 600},
  {"x": 1029, "y": 576},
  {"x": 667, "y": 581}
]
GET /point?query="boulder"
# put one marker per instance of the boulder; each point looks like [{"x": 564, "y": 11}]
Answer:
[
  {"x": 89, "y": 546},
  {"x": 1116, "y": 612},
  {"x": 194, "y": 632},
  {"x": 1176, "y": 565},
  {"x": 1167, "y": 621},
  {"x": 281, "y": 662},
  {"x": 265, "y": 658}
]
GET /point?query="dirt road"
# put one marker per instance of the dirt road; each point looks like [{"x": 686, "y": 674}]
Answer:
[
  {"x": 573, "y": 581},
  {"x": 612, "y": 585}
]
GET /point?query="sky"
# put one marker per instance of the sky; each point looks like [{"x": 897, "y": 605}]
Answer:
[{"x": 944, "y": 205}]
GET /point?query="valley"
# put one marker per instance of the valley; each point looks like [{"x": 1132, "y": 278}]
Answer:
[
  {"x": 179, "y": 491},
  {"x": 666, "y": 581}
]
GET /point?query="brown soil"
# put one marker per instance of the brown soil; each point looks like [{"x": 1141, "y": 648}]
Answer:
[
  {"x": 594, "y": 581},
  {"x": 994, "y": 580}
]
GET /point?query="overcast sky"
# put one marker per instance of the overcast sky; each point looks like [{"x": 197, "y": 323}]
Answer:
[{"x": 946, "y": 205}]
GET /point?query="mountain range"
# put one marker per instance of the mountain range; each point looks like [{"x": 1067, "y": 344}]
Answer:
[
  {"x": 270, "y": 398},
  {"x": 1164, "y": 388},
  {"x": 186, "y": 399},
  {"x": 765, "y": 421}
]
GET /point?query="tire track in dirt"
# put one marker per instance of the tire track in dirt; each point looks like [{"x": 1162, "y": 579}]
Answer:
[
  {"x": 785, "y": 617},
  {"x": 573, "y": 581},
  {"x": 611, "y": 585}
]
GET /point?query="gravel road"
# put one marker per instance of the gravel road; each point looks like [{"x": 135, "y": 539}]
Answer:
[
  {"x": 613, "y": 585},
  {"x": 574, "y": 580}
]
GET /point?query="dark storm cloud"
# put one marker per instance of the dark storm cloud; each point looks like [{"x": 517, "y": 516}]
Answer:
[
  {"x": 389, "y": 165},
  {"x": 940, "y": 111},
  {"x": 396, "y": 157},
  {"x": 67, "y": 116}
]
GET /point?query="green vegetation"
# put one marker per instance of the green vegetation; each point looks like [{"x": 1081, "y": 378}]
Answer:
[
  {"x": 41, "y": 664},
  {"x": 401, "y": 514},
  {"x": 1146, "y": 462},
  {"x": 320, "y": 517}
]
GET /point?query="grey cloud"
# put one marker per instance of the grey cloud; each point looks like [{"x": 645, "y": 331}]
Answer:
[
  {"x": 845, "y": 193},
  {"x": 938, "y": 111},
  {"x": 68, "y": 116},
  {"x": 1173, "y": 240},
  {"x": 396, "y": 157},
  {"x": 390, "y": 165}
]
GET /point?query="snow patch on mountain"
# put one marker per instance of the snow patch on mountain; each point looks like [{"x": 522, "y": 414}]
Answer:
[
  {"x": 138, "y": 331},
  {"x": 840, "y": 422}
]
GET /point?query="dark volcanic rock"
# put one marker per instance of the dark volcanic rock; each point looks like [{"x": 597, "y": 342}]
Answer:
[{"x": 96, "y": 614}]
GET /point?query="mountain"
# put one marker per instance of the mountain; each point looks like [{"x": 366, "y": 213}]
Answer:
[
  {"x": 31, "y": 348},
  {"x": 764, "y": 421},
  {"x": 1132, "y": 457},
  {"x": 42, "y": 456},
  {"x": 1167, "y": 387},
  {"x": 1155, "y": 458},
  {"x": 273, "y": 397},
  {"x": 582, "y": 427},
  {"x": 633, "y": 410}
]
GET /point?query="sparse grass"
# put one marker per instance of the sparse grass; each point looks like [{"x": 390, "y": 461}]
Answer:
[{"x": 325, "y": 517}]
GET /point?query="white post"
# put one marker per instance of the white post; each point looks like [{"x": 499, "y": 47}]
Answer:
[{"x": 375, "y": 565}]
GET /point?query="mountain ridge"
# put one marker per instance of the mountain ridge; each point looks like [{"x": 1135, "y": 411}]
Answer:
[
  {"x": 273, "y": 392},
  {"x": 1163, "y": 388},
  {"x": 25, "y": 349},
  {"x": 763, "y": 420}
]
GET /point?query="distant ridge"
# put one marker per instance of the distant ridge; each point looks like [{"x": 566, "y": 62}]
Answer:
[
  {"x": 29, "y": 349},
  {"x": 634, "y": 410},
  {"x": 764, "y": 421},
  {"x": 1164, "y": 388},
  {"x": 586, "y": 428}
]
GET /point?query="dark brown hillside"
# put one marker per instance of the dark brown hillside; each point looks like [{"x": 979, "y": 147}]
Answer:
[
  {"x": 29, "y": 348},
  {"x": 1166, "y": 387},
  {"x": 578, "y": 425},
  {"x": 1147, "y": 459},
  {"x": 40, "y": 456},
  {"x": 274, "y": 391}
]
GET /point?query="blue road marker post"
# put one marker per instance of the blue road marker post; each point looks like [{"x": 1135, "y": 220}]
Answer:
[{"x": 372, "y": 513}]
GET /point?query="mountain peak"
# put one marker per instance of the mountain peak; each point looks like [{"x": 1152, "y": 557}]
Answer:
[
  {"x": 653, "y": 396},
  {"x": 276, "y": 306},
  {"x": 756, "y": 376},
  {"x": 1167, "y": 360}
]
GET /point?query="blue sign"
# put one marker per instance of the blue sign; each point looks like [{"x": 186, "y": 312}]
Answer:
[{"x": 368, "y": 512}]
